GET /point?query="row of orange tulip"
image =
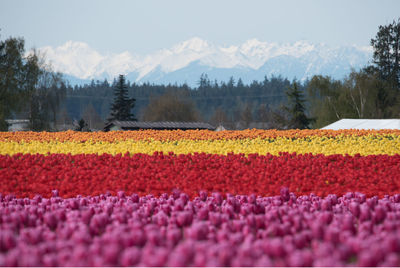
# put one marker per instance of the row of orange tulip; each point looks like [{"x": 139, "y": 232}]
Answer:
[{"x": 184, "y": 135}]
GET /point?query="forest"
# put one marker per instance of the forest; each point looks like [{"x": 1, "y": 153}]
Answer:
[{"x": 231, "y": 98}]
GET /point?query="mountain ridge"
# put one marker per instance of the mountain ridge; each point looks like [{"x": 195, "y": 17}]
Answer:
[{"x": 250, "y": 61}]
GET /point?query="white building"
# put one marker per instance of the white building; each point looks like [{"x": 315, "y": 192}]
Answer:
[
  {"x": 18, "y": 124},
  {"x": 365, "y": 124}
]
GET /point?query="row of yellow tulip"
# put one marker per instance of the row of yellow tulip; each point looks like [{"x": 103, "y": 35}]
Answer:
[{"x": 370, "y": 144}]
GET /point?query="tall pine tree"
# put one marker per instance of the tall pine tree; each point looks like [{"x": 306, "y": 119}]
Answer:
[
  {"x": 123, "y": 105},
  {"x": 386, "y": 46},
  {"x": 296, "y": 109}
]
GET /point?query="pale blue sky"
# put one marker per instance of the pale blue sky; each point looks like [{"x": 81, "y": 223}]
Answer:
[{"x": 148, "y": 25}]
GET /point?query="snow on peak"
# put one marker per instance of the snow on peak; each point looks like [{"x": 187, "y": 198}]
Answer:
[
  {"x": 194, "y": 44},
  {"x": 251, "y": 44},
  {"x": 304, "y": 46},
  {"x": 74, "y": 45},
  {"x": 74, "y": 58},
  {"x": 254, "y": 47},
  {"x": 229, "y": 50},
  {"x": 82, "y": 61},
  {"x": 178, "y": 57}
]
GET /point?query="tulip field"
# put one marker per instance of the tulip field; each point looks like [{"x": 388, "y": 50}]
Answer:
[{"x": 200, "y": 198}]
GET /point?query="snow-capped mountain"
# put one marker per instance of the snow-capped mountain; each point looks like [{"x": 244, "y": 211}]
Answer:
[{"x": 186, "y": 61}]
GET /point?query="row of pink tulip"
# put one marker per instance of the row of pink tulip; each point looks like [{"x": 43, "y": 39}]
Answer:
[{"x": 209, "y": 230}]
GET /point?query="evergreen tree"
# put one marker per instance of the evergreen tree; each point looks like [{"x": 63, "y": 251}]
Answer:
[
  {"x": 296, "y": 109},
  {"x": 240, "y": 84},
  {"x": 204, "y": 82},
  {"x": 231, "y": 83},
  {"x": 214, "y": 94},
  {"x": 387, "y": 52},
  {"x": 387, "y": 63},
  {"x": 122, "y": 106},
  {"x": 82, "y": 125}
]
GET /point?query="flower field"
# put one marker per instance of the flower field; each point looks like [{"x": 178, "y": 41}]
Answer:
[{"x": 200, "y": 198}]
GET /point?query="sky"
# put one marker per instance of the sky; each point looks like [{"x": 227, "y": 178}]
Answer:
[{"x": 149, "y": 25}]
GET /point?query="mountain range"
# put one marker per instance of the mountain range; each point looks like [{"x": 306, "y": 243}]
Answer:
[{"x": 186, "y": 61}]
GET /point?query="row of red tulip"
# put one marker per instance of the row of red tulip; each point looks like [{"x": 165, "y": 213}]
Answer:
[{"x": 27, "y": 175}]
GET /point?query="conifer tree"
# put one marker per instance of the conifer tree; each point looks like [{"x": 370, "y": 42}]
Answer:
[
  {"x": 122, "y": 106},
  {"x": 82, "y": 125},
  {"x": 386, "y": 46},
  {"x": 296, "y": 109}
]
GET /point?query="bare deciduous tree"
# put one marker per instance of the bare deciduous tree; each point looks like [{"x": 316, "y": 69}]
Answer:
[
  {"x": 92, "y": 118},
  {"x": 170, "y": 107}
]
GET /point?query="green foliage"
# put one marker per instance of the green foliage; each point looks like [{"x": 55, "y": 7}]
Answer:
[
  {"x": 386, "y": 56},
  {"x": 372, "y": 92},
  {"x": 28, "y": 86},
  {"x": 3, "y": 123},
  {"x": 207, "y": 97},
  {"x": 18, "y": 75},
  {"x": 82, "y": 125},
  {"x": 361, "y": 94},
  {"x": 122, "y": 106},
  {"x": 296, "y": 109},
  {"x": 324, "y": 94}
]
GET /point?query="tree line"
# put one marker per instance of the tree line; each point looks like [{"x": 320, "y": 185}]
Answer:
[
  {"x": 372, "y": 92},
  {"x": 209, "y": 101},
  {"x": 29, "y": 87}
]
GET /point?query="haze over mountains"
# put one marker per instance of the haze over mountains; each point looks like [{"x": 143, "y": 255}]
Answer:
[{"x": 186, "y": 61}]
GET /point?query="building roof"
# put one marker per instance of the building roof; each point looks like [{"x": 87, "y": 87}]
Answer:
[
  {"x": 365, "y": 124},
  {"x": 17, "y": 121},
  {"x": 159, "y": 125},
  {"x": 18, "y": 124}
]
